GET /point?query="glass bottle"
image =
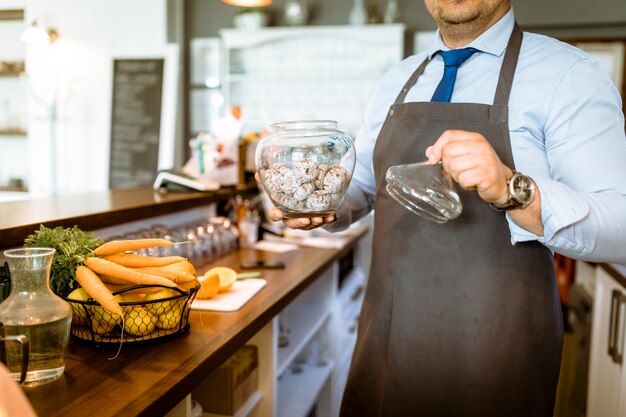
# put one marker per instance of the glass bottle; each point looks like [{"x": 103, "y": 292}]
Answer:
[
  {"x": 32, "y": 309},
  {"x": 373, "y": 16},
  {"x": 391, "y": 12},
  {"x": 358, "y": 13},
  {"x": 296, "y": 13}
]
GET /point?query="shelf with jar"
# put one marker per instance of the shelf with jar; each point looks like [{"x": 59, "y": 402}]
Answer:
[{"x": 12, "y": 131}]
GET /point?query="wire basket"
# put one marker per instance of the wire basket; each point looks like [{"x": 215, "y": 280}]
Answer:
[{"x": 144, "y": 321}]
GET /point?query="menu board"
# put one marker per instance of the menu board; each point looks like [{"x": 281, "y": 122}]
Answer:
[{"x": 135, "y": 121}]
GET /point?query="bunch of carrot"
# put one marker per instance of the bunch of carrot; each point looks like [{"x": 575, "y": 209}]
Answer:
[{"x": 112, "y": 268}]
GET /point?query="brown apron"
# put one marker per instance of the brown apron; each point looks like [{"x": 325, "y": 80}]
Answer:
[{"x": 456, "y": 321}]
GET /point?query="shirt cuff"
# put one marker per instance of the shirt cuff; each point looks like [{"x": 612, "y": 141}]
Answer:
[{"x": 560, "y": 208}]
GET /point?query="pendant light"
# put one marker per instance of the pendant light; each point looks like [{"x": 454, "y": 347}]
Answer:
[
  {"x": 38, "y": 32},
  {"x": 248, "y": 3}
]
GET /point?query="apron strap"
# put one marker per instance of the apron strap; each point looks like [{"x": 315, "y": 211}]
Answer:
[
  {"x": 411, "y": 82},
  {"x": 507, "y": 71}
]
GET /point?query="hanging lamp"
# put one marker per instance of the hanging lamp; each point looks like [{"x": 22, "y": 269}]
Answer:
[{"x": 248, "y": 3}]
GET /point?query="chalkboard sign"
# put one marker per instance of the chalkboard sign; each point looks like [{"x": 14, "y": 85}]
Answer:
[{"x": 135, "y": 121}]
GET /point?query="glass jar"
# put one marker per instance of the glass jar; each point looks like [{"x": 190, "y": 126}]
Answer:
[
  {"x": 305, "y": 167},
  {"x": 33, "y": 310}
]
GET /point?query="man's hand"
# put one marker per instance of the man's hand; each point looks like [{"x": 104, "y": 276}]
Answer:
[
  {"x": 303, "y": 223},
  {"x": 473, "y": 163}
]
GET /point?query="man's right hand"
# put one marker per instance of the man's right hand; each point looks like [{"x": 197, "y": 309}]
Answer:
[{"x": 302, "y": 223}]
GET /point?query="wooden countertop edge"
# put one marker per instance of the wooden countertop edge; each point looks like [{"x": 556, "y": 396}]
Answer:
[{"x": 14, "y": 232}]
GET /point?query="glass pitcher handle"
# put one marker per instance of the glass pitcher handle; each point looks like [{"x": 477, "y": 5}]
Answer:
[{"x": 22, "y": 340}]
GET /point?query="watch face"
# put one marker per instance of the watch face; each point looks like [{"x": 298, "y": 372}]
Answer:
[{"x": 522, "y": 188}]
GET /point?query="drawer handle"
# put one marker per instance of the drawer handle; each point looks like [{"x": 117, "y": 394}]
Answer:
[
  {"x": 612, "y": 319},
  {"x": 618, "y": 355},
  {"x": 357, "y": 292}
]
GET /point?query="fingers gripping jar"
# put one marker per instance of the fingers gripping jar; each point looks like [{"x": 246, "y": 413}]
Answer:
[{"x": 306, "y": 166}]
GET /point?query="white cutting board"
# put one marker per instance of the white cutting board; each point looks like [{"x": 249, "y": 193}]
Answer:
[{"x": 235, "y": 298}]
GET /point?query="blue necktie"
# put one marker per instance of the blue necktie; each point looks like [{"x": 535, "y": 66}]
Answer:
[{"x": 452, "y": 60}]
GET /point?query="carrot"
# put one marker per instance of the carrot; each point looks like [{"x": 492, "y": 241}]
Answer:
[
  {"x": 108, "y": 279},
  {"x": 176, "y": 276},
  {"x": 142, "y": 261},
  {"x": 181, "y": 266},
  {"x": 97, "y": 290},
  {"x": 186, "y": 286},
  {"x": 118, "y": 246},
  {"x": 145, "y": 290},
  {"x": 102, "y": 266}
]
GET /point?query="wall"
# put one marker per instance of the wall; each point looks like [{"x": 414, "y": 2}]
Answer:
[{"x": 75, "y": 71}]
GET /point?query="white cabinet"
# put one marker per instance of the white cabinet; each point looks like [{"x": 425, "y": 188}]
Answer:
[
  {"x": 607, "y": 373},
  {"x": 305, "y": 351},
  {"x": 314, "y": 72}
]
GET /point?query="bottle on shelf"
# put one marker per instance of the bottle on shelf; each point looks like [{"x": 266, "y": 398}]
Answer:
[
  {"x": 358, "y": 13},
  {"x": 391, "y": 12}
]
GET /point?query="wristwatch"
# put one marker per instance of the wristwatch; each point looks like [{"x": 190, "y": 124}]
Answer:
[{"x": 521, "y": 193}]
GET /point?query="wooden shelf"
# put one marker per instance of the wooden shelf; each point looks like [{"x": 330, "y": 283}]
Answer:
[
  {"x": 244, "y": 410},
  {"x": 10, "y": 74},
  {"x": 13, "y": 132}
]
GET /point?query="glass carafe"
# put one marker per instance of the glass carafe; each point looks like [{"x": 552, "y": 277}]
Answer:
[{"x": 32, "y": 309}]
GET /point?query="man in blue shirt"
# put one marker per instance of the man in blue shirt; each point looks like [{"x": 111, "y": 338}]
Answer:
[{"x": 463, "y": 318}]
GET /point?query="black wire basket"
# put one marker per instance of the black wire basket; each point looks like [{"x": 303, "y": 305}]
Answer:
[{"x": 144, "y": 320}]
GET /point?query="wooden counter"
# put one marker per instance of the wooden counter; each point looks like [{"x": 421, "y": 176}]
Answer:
[
  {"x": 150, "y": 380},
  {"x": 94, "y": 211}
]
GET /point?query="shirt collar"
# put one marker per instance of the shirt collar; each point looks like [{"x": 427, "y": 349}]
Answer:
[{"x": 493, "y": 41}]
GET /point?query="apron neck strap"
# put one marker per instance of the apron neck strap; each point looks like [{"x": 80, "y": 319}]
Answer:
[
  {"x": 507, "y": 71},
  {"x": 411, "y": 82}
]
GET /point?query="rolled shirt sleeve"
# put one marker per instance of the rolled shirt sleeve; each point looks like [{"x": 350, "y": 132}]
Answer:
[{"x": 583, "y": 202}]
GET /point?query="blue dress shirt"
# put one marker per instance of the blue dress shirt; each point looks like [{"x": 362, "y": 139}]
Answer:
[{"x": 567, "y": 133}]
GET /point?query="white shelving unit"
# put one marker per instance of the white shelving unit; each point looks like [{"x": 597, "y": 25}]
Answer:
[
  {"x": 309, "y": 373},
  {"x": 296, "y": 401},
  {"x": 314, "y": 72},
  {"x": 13, "y": 99},
  {"x": 308, "y": 320}
]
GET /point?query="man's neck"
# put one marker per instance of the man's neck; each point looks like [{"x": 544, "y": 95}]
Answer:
[{"x": 459, "y": 35}]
